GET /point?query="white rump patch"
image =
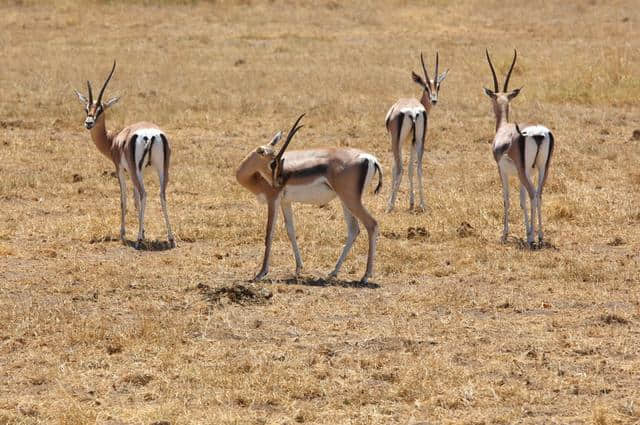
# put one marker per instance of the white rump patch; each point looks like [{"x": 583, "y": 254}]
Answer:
[
  {"x": 536, "y": 130},
  {"x": 371, "y": 170},
  {"x": 413, "y": 111}
]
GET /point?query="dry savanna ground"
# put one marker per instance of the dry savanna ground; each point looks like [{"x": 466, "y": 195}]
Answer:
[{"x": 455, "y": 327}]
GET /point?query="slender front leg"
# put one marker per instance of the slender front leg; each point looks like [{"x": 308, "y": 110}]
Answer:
[
  {"x": 272, "y": 217},
  {"x": 504, "y": 177},
  {"x": 287, "y": 212},
  {"x": 123, "y": 202},
  {"x": 353, "y": 230}
]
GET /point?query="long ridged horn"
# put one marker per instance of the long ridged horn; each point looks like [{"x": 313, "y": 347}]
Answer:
[
  {"x": 493, "y": 72},
  {"x": 436, "y": 76},
  {"x": 104, "y": 86},
  {"x": 90, "y": 93},
  {"x": 424, "y": 68},
  {"x": 506, "y": 82},
  {"x": 292, "y": 132}
]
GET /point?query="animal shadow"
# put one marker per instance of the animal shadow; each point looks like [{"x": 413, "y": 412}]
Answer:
[
  {"x": 155, "y": 245},
  {"x": 326, "y": 282},
  {"x": 522, "y": 244}
]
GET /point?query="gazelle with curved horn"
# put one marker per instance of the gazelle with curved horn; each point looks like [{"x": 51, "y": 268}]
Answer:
[
  {"x": 313, "y": 176},
  {"x": 410, "y": 116},
  {"x": 129, "y": 149},
  {"x": 519, "y": 152}
]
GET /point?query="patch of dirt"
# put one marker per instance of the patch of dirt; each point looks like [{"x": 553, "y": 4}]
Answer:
[
  {"x": 636, "y": 134},
  {"x": 465, "y": 230},
  {"x": 613, "y": 319},
  {"x": 237, "y": 294},
  {"x": 417, "y": 232},
  {"x": 617, "y": 241}
]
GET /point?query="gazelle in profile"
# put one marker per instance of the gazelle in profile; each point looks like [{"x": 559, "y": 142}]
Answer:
[
  {"x": 410, "y": 116},
  {"x": 130, "y": 149},
  {"x": 312, "y": 176},
  {"x": 519, "y": 152}
]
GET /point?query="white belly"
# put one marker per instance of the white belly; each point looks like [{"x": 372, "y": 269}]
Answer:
[{"x": 318, "y": 192}]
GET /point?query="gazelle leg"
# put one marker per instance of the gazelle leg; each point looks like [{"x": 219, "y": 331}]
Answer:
[
  {"x": 422, "y": 130},
  {"x": 353, "y": 230},
  {"x": 504, "y": 177},
  {"x": 539, "y": 203},
  {"x": 141, "y": 194},
  {"x": 412, "y": 165},
  {"x": 359, "y": 211},
  {"x": 272, "y": 218},
  {"x": 163, "y": 201},
  {"x": 291, "y": 232},
  {"x": 396, "y": 141},
  {"x": 123, "y": 202},
  {"x": 523, "y": 205}
]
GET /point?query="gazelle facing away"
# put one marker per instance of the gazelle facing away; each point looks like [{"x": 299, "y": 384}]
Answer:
[
  {"x": 129, "y": 149},
  {"x": 409, "y": 116},
  {"x": 519, "y": 152},
  {"x": 313, "y": 176}
]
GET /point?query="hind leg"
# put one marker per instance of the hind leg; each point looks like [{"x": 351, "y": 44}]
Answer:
[
  {"x": 421, "y": 131},
  {"x": 353, "y": 230},
  {"x": 412, "y": 165}
]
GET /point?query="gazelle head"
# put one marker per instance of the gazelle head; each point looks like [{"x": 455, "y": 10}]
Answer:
[
  {"x": 94, "y": 108},
  {"x": 430, "y": 87},
  {"x": 501, "y": 99},
  {"x": 269, "y": 163}
]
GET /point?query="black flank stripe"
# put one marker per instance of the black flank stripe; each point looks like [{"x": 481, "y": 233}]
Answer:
[
  {"x": 132, "y": 149},
  {"x": 400, "y": 122},
  {"x": 424, "y": 127},
  {"x": 320, "y": 169},
  {"x": 165, "y": 147},
  {"x": 522, "y": 145},
  {"x": 364, "y": 169}
]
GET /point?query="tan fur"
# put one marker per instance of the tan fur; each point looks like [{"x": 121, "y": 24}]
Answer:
[{"x": 338, "y": 169}]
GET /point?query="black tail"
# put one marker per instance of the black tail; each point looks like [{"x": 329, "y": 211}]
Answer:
[{"x": 379, "y": 170}]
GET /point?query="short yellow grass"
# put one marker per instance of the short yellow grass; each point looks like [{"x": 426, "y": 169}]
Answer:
[{"x": 455, "y": 328}]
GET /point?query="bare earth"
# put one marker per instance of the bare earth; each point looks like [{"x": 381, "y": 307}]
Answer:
[{"x": 455, "y": 326}]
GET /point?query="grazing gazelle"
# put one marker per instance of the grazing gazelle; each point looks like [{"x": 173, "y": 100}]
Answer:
[
  {"x": 519, "y": 152},
  {"x": 410, "y": 116},
  {"x": 129, "y": 149},
  {"x": 313, "y": 176}
]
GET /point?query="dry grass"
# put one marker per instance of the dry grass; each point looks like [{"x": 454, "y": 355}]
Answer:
[{"x": 457, "y": 327}]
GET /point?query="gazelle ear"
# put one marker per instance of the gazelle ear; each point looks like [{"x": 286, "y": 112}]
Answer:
[
  {"x": 513, "y": 93},
  {"x": 111, "y": 102},
  {"x": 442, "y": 76},
  {"x": 81, "y": 97},
  {"x": 418, "y": 79},
  {"x": 489, "y": 93},
  {"x": 276, "y": 138}
]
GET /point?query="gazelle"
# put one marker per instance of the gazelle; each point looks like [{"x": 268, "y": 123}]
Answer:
[
  {"x": 313, "y": 176},
  {"x": 519, "y": 152},
  {"x": 129, "y": 149},
  {"x": 410, "y": 116}
]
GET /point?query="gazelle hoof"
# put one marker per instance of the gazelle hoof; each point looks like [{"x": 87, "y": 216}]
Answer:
[
  {"x": 138, "y": 244},
  {"x": 260, "y": 275},
  {"x": 172, "y": 243},
  {"x": 364, "y": 280}
]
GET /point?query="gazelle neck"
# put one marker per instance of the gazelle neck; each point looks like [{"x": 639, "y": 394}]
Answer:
[
  {"x": 502, "y": 114},
  {"x": 425, "y": 101},
  {"x": 101, "y": 139}
]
